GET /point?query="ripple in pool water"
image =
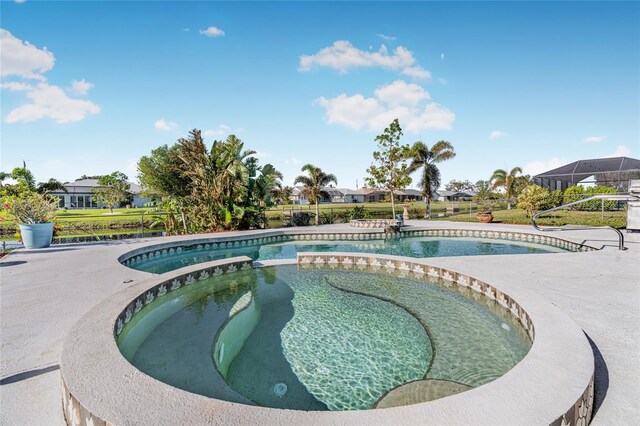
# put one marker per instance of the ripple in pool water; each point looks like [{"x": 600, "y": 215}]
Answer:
[{"x": 319, "y": 339}]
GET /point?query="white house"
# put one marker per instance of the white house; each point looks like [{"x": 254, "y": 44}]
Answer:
[{"x": 81, "y": 195}]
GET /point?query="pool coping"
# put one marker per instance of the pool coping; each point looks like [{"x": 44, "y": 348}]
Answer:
[
  {"x": 101, "y": 386},
  {"x": 258, "y": 237}
]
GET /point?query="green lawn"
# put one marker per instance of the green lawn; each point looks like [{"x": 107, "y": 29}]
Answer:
[
  {"x": 617, "y": 219},
  {"x": 100, "y": 221}
]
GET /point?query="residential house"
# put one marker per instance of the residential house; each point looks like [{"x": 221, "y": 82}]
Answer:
[{"x": 81, "y": 195}]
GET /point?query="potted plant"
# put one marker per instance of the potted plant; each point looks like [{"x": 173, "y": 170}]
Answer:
[
  {"x": 33, "y": 213},
  {"x": 484, "y": 214}
]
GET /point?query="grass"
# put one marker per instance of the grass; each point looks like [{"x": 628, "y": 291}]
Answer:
[
  {"x": 100, "y": 222},
  {"x": 616, "y": 219}
]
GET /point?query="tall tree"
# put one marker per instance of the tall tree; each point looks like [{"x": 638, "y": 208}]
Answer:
[
  {"x": 24, "y": 178},
  {"x": 501, "y": 179},
  {"x": 219, "y": 179},
  {"x": 313, "y": 182},
  {"x": 391, "y": 171},
  {"x": 160, "y": 178},
  {"x": 112, "y": 189},
  {"x": 425, "y": 159}
]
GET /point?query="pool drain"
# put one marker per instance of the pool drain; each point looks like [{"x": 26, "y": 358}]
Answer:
[{"x": 280, "y": 389}]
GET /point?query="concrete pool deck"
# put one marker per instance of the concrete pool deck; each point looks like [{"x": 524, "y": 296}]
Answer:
[{"x": 44, "y": 292}]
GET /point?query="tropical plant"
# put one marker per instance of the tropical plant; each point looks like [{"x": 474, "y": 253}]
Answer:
[
  {"x": 507, "y": 180},
  {"x": 112, "y": 189},
  {"x": 358, "y": 212},
  {"x": 313, "y": 182},
  {"x": 161, "y": 178},
  {"x": 50, "y": 185},
  {"x": 533, "y": 198},
  {"x": 31, "y": 208},
  {"x": 391, "y": 171},
  {"x": 298, "y": 219},
  {"x": 204, "y": 190},
  {"x": 24, "y": 177},
  {"x": 425, "y": 159},
  {"x": 283, "y": 194}
]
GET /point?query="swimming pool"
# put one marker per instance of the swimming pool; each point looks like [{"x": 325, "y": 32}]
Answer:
[
  {"x": 418, "y": 246},
  {"x": 322, "y": 339}
]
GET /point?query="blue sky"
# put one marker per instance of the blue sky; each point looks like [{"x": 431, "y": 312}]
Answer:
[{"x": 89, "y": 87}]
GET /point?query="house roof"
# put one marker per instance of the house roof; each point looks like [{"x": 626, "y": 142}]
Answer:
[
  {"x": 581, "y": 169},
  {"x": 87, "y": 185}
]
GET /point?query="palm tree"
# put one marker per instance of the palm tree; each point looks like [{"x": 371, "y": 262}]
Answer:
[
  {"x": 425, "y": 158},
  {"x": 500, "y": 178},
  {"x": 313, "y": 184},
  {"x": 51, "y": 185}
]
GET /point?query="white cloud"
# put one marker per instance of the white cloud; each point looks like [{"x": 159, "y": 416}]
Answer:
[
  {"x": 621, "y": 151},
  {"x": 342, "y": 56},
  {"x": 396, "y": 100},
  {"x": 81, "y": 87},
  {"x": 401, "y": 93},
  {"x": 165, "y": 125},
  {"x": 442, "y": 56},
  {"x": 537, "y": 167},
  {"x": 212, "y": 32},
  {"x": 293, "y": 160},
  {"x": 14, "y": 86},
  {"x": 22, "y": 59},
  {"x": 48, "y": 102},
  {"x": 386, "y": 37},
  {"x": 220, "y": 131},
  {"x": 497, "y": 134},
  {"x": 20, "y": 1},
  {"x": 594, "y": 139},
  {"x": 417, "y": 72}
]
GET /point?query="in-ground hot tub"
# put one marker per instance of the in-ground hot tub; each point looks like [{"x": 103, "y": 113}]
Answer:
[
  {"x": 323, "y": 339},
  {"x": 553, "y": 383}
]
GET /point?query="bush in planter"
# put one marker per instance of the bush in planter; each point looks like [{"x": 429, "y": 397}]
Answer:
[{"x": 33, "y": 213}]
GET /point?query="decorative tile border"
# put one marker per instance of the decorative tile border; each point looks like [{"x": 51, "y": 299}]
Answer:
[
  {"x": 406, "y": 267},
  {"x": 372, "y": 223},
  {"x": 168, "y": 249},
  {"x": 580, "y": 413},
  {"x": 188, "y": 278},
  {"x": 75, "y": 414}
]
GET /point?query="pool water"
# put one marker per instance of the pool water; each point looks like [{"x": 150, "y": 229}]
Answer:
[
  {"x": 411, "y": 247},
  {"x": 319, "y": 339}
]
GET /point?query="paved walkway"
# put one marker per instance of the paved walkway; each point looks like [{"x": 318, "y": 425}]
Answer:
[{"x": 44, "y": 292}]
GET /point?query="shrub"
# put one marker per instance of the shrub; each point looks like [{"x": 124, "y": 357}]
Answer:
[
  {"x": 358, "y": 212},
  {"x": 298, "y": 219},
  {"x": 576, "y": 193},
  {"x": 533, "y": 198}
]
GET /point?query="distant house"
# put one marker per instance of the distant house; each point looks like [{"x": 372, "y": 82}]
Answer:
[
  {"x": 81, "y": 195},
  {"x": 443, "y": 195},
  {"x": 363, "y": 195}
]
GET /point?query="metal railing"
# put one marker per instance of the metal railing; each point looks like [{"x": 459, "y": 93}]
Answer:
[{"x": 603, "y": 197}]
